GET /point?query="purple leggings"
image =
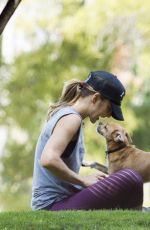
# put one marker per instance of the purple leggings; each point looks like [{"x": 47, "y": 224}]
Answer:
[{"x": 123, "y": 189}]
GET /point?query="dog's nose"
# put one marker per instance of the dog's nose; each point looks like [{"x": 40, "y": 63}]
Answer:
[
  {"x": 99, "y": 126},
  {"x": 100, "y": 123}
]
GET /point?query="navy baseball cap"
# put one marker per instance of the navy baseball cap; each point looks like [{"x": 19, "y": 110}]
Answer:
[{"x": 110, "y": 87}]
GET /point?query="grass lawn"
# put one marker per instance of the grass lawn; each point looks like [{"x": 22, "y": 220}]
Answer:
[{"x": 84, "y": 220}]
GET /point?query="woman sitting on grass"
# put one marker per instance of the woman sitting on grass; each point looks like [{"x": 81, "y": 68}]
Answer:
[{"x": 57, "y": 184}]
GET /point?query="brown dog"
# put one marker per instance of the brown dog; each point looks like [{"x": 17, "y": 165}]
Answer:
[{"x": 121, "y": 153}]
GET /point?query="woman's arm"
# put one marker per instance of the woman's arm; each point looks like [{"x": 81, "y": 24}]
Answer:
[{"x": 63, "y": 133}]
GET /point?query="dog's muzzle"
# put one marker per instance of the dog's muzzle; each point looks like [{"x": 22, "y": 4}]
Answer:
[{"x": 99, "y": 128}]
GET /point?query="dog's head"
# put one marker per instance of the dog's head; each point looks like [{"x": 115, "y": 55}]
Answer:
[{"x": 114, "y": 132}]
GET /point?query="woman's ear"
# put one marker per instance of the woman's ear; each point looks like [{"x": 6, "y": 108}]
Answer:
[{"x": 96, "y": 97}]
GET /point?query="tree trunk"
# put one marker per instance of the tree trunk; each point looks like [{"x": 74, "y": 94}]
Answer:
[
  {"x": 0, "y": 51},
  {"x": 7, "y": 12}
]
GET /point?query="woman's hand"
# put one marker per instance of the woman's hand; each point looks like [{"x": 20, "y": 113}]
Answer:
[{"x": 93, "y": 178}]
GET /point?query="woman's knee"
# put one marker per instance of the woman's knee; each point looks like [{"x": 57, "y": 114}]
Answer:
[
  {"x": 134, "y": 186},
  {"x": 132, "y": 177}
]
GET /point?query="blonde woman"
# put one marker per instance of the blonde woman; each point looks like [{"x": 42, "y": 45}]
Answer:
[{"x": 57, "y": 184}]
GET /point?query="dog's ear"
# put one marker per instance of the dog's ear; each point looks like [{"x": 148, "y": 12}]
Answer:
[
  {"x": 129, "y": 138},
  {"x": 118, "y": 136}
]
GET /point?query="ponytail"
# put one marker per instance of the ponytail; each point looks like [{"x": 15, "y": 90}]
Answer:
[{"x": 72, "y": 90}]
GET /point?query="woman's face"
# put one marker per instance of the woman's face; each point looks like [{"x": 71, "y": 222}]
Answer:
[{"x": 99, "y": 108}]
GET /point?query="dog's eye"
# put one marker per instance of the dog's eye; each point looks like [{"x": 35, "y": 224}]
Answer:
[{"x": 105, "y": 127}]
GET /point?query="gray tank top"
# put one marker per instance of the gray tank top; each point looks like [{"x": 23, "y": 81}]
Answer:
[{"x": 46, "y": 187}]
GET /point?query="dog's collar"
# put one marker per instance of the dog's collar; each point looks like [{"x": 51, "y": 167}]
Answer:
[{"x": 116, "y": 149}]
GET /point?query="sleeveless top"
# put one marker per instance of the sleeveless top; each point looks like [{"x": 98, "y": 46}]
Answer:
[{"x": 46, "y": 187}]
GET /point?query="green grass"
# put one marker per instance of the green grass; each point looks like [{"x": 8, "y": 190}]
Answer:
[{"x": 84, "y": 220}]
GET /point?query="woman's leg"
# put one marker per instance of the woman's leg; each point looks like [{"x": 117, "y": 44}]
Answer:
[{"x": 123, "y": 189}]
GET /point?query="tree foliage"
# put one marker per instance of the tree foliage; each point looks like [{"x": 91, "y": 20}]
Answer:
[{"x": 142, "y": 113}]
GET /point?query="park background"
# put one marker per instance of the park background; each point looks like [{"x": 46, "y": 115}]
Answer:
[{"x": 49, "y": 42}]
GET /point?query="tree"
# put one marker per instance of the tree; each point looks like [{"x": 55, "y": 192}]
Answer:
[
  {"x": 142, "y": 113},
  {"x": 7, "y": 12}
]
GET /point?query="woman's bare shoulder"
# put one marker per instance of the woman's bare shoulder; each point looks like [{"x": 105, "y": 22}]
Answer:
[{"x": 70, "y": 121}]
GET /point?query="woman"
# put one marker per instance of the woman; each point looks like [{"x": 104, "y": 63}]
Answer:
[{"x": 57, "y": 185}]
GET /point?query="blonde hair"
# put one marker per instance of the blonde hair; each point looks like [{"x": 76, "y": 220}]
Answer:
[{"x": 72, "y": 90}]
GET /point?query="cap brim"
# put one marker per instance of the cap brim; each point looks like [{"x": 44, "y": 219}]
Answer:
[{"x": 117, "y": 112}]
